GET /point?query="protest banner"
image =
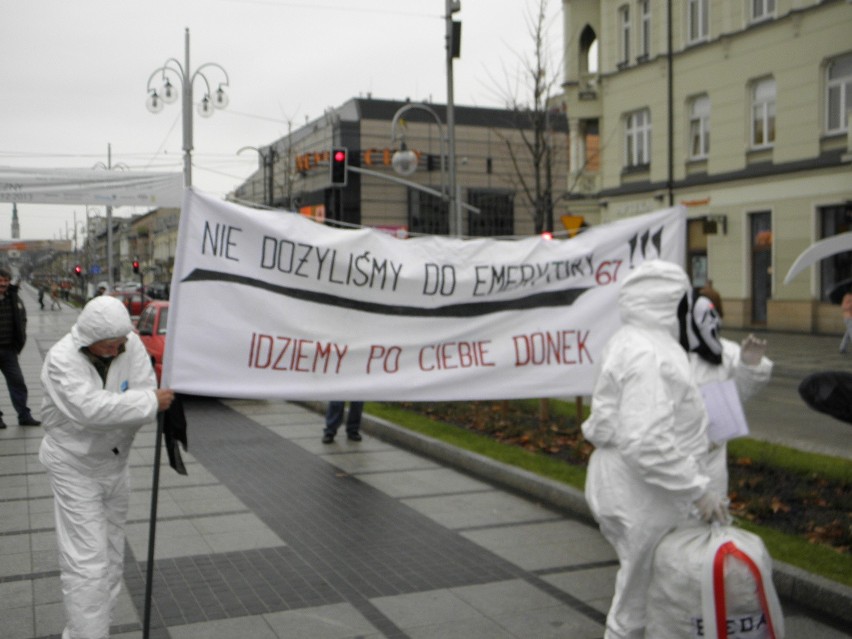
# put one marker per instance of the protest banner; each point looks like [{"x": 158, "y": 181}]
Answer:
[{"x": 269, "y": 304}]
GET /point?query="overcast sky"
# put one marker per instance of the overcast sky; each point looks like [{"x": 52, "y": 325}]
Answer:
[{"x": 74, "y": 74}]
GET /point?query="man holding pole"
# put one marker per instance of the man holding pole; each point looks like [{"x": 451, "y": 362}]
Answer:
[{"x": 100, "y": 389}]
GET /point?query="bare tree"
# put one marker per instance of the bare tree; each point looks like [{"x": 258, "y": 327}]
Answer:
[{"x": 537, "y": 124}]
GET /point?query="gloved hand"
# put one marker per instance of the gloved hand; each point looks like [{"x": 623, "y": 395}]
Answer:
[
  {"x": 752, "y": 350},
  {"x": 712, "y": 508}
]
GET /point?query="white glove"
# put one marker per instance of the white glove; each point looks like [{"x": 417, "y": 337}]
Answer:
[
  {"x": 752, "y": 350},
  {"x": 712, "y": 508}
]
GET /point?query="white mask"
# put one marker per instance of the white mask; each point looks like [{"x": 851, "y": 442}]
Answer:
[{"x": 703, "y": 330}]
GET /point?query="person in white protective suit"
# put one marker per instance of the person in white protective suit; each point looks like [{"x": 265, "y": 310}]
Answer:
[
  {"x": 648, "y": 425},
  {"x": 99, "y": 389},
  {"x": 715, "y": 359}
]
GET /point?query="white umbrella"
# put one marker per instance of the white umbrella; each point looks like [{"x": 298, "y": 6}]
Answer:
[{"x": 818, "y": 251}]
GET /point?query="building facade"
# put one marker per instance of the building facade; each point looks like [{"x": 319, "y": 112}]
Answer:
[
  {"x": 492, "y": 167},
  {"x": 737, "y": 109}
]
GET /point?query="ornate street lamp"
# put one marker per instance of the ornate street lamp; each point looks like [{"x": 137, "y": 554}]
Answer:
[{"x": 167, "y": 94}]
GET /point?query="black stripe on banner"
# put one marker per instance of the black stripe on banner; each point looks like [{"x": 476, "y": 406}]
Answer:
[{"x": 564, "y": 297}]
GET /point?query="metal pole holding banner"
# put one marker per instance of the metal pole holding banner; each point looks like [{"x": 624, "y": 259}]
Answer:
[{"x": 152, "y": 528}]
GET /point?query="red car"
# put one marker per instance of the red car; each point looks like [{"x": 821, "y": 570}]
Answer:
[
  {"x": 133, "y": 300},
  {"x": 151, "y": 326}
]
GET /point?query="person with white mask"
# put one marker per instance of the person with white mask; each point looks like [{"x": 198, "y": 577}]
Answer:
[
  {"x": 715, "y": 359},
  {"x": 648, "y": 425},
  {"x": 99, "y": 390}
]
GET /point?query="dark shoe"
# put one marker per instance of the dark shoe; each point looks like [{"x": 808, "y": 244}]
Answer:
[
  {"x": 327, "y": 439},
  {"x": 355, "y": 436},
  {"x": 2, "y": 424},
  {"x": 29, "y": 421}
]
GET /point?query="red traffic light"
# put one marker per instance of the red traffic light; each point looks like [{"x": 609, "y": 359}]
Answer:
[
  {"x": 78, "y": 271},
  {"x": 135, "y": 266},
  {"x": 338, "y": 164}
]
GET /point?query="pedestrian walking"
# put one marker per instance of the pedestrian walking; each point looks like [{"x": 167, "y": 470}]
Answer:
[{"x": 54, "y": 297}]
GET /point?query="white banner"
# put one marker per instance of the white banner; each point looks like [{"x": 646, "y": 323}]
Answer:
[
  {"x": 90, "y": 186},
  {"x": 268, "y": 304}
]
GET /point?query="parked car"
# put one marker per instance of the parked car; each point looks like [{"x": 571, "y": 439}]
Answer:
[
  {"x": 133, "y": 300},
  {"x": 151, "y": 327}
]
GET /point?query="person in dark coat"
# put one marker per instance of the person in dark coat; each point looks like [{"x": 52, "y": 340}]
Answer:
[{"x": 13, "y": 336}]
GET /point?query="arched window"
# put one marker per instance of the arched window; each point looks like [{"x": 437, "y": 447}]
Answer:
[{"x": 588, "y": 51}]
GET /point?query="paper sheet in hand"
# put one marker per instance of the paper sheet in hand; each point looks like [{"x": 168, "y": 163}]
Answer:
[{"x": 725, "y": 410}]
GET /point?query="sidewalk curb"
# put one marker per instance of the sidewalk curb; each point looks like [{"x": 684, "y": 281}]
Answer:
[{"x": 792, "y": 583}]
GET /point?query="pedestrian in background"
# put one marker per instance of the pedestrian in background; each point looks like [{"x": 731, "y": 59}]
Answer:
[
  {"x": 13, "y": 336},
  {"x": 713, "y": 295},
  {"x": 54, "y": 297},
  {"x": 334, "y": 417},
  {"x": 99, "y": 390},
  {"x": 846, "y": 314}
]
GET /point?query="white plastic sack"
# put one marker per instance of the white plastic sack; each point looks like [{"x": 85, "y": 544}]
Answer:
[{"x": 713, "y": 582}]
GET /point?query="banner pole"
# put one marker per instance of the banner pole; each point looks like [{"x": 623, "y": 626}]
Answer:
[{"x": 152, "y": 528}]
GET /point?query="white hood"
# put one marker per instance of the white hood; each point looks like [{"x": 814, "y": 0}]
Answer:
[
  {"x": 104, "y": 317},
  {"x": 651, "y": 294}
]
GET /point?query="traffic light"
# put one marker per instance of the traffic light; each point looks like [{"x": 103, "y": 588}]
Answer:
[
  {"x": 136, "y": 266},
  {"x": 339, "y": 162},
  {"x": 78, "y": 271}
]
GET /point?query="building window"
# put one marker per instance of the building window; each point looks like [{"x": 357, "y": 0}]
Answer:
[
  {"x": 838, "y": 94},
  {"x": 624, "y": 30},
  {"x": 762, "y": 10},
  {"x": 637, "y": 142},
  {"x": 427, "y": 214},
  {"x": 698, "y": 17},
  {"x": 644, "y": 7},
  {"x": 497, "y": 213},
  {"x": 763, "y": 113},
  {"x": 699, "y": 128}
]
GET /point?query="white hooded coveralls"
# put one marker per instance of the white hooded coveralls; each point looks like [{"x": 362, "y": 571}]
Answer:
[
  {"x": 89, "y": 427},
  {"x": 648, "y": 424}
]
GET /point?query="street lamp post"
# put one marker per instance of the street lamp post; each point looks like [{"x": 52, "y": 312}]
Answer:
[
  {"x": 404, "y": 162},
  {"x": 268, "y": 160},
  {"x": 168, "y": 94},
  {"x": 453, "y": 46},
  {"x": 109, "y": 166}
]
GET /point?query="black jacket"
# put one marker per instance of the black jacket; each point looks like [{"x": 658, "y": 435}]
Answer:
[{"x": 19, "y": 319}]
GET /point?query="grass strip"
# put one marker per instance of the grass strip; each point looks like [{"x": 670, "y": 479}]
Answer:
[
  {"x": 790, "y": 549},
  {"x": 799, "y": 552},
  {"x": 790, "y": 459},
  {"x": 481, "y": 444}
]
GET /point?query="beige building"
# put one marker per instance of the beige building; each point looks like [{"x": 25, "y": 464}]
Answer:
[
  {"x": 294, "y": 172},
  {"x": 738, "y": 109},
  {"x": 149, "y": 238}
]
